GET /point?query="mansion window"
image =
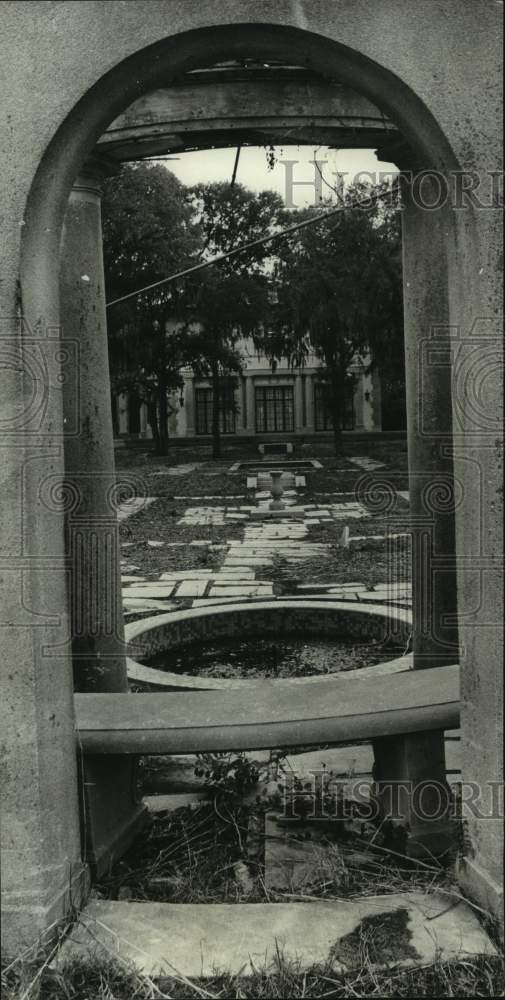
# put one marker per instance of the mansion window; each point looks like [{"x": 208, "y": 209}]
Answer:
[
  {"x": 322, "y": 409},
  {"x": 203, "y": 410},
  {"x": 274, "y": 409}
]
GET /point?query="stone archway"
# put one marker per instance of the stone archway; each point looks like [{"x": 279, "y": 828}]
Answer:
[{"x": 66, "y": 153}]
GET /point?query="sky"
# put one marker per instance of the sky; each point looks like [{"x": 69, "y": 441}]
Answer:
[{"x": 253, "y": 172}]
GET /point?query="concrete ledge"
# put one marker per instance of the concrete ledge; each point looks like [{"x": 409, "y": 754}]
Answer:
[{"x": 270, "y": 716}]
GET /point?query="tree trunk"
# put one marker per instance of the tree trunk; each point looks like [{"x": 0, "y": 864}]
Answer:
[
  {"x": 216, "y": 394},
  {"x": 337, "y": 407},
  {"x": 152, "y": 416},
  {"x": 163, "y": 421},
  {"x": 115, "y": 418}
]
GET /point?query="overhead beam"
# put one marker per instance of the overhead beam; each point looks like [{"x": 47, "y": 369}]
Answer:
[{"x": 279, "y": 106}]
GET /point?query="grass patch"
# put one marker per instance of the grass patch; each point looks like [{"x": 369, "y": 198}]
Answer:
[{"x": 109, "y": 979}]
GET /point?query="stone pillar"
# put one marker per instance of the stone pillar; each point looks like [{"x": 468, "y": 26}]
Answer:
[
  {"x": 250, "y": 405},
  {"x": 93, "y": 551},
  {"x": 189, "y": 405},
  {"x": 309, "y": 404},
  {"x": 419, "y": 759},
  {"x": 376, "y": 401},
  {"x": 299, "y": 407},
  {"x": 43, "y": 876}
]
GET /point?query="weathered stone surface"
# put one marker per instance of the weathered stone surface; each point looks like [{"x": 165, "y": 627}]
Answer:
[
  {"x": 450, "y": 126},
  {"x": 198, "y": 939},
  {"x": 192, "y": 588}
]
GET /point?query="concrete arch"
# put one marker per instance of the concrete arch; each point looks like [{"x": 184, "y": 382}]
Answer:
[
  {"x": 314, "y": 37},
  {"x": 154, "y": 66}
]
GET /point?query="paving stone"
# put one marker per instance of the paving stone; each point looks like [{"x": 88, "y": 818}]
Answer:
[
  {"x": 363, "y": 462},
  {"x": 153, "y": 590},
  {"x": 235, "y": 573},
  {"x": 218, "y": 598},
  {"x": 237, "y": 591},
  {"x": 192, "y": 588},
  {"x": 134, "y": 604},
  {"x": 251, "y": 561},
  {"x": 180, "y": 470},
  {"x": 154, "y": 544},
  {"x": 196, "y": 940},
  {"x": 127, "y": 578},
  {"x": 188, "y": 574}
]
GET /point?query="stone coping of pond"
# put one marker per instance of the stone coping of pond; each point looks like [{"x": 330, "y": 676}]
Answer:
[
  {"x": 272, "y": 463},
  {"x": 307, "y": 618}
]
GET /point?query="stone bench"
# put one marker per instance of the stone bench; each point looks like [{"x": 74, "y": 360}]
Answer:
[
  {"x": 274, "y": 713},
  {"x": 275, "y": 448}
]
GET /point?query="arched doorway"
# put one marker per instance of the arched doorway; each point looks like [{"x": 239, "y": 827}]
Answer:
[{"x": 152, "y": 66}]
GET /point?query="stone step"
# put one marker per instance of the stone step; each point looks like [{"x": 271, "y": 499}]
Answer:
[{"x": 196, "y": 940}]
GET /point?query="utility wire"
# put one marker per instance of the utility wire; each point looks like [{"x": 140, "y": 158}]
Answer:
[{"x": 366, "y": 202}]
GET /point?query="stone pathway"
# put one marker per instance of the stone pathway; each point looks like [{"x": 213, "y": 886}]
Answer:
[
  {"x": 312, "y": 513},
  {"x": 247, "y": 560},
  {"x": 264, "y": 541}
]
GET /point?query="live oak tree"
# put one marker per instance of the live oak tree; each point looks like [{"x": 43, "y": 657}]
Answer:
[
  {"x": 229, "y": 301},
  {"x": 148, "y": 233},
  {"x": 338, "y": 286}
]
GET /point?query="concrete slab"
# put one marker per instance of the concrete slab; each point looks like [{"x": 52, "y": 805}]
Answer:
[
  {"x": 196, "y": 940},
  {"x": 188, "y": 574},
  {"x": 191, "y": 588},
  {"x": 237, "y": 591},
  {"x": 153, "y": 590},
  {"x": 169, "y": 803},
  {"x": 133, "y": 604},
  {"x": 363, "y": 462}
]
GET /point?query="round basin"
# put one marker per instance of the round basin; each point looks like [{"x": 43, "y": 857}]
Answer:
[{"x": 279, "y": 617}]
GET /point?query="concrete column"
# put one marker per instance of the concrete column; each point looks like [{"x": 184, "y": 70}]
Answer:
[
  {"x": 189, "y": 405},
  {"x": 359, "y": 403},
  {"x": 93, "y": 550},
  {"x": 250, "y": 404},
  {"x": 309, "y": 403},
  {"x": 376, "y": 401},
  {"x": 420, "y": 758},
  {"x": 298, "y": 401}
]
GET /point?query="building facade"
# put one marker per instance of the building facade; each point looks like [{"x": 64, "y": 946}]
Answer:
[{"x": 290, "y": 401}]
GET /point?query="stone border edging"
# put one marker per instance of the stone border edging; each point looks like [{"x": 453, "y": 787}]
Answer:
[{"x": 177, "y": 620}]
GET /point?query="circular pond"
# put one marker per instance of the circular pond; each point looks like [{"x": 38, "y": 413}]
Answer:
[{"x": 236, "y": 645}]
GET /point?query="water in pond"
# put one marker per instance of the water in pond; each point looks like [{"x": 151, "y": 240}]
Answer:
[{"x": 251, "y": 657}]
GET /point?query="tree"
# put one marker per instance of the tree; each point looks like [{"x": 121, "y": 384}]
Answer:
[
  {"x": 148, "y": 233},
  {"x": 339, "y": 296},
  {"x": 229, "y": 301}
]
